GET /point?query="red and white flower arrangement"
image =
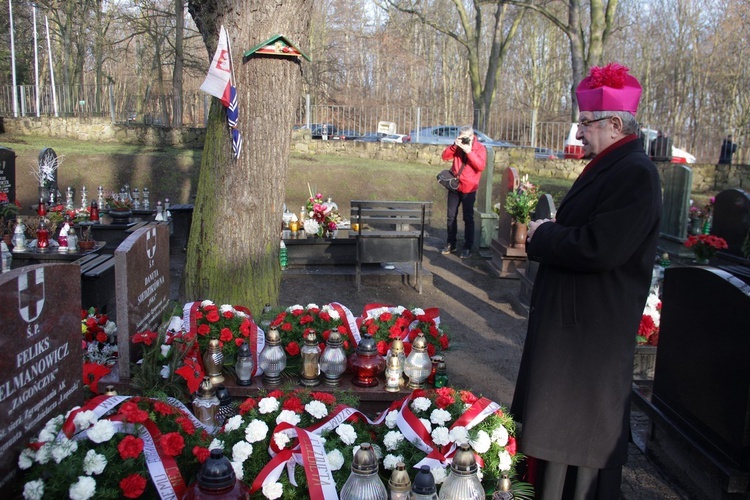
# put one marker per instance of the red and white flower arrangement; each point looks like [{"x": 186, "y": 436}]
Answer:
[
  {"x": 386, "y": 323},
  {"x": 705, "y": 246}
]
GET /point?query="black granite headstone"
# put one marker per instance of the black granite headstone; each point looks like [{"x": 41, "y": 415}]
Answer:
[
  {"x": 702, "y": 374},
  {"x": 48, "y": 165},
  {"x": 732, "y": 219},
  {"x": 8, "y": 173},
  {"x": 677, "y": 183}
]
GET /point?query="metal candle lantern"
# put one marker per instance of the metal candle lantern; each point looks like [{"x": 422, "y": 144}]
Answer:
[
  {"x": 213, "y": 361},
  {"x": 19, "y": 238},
  {"x": 502, "y": 492},
  {"x": 393, "y": 374},
  {"x": 424, "y": 487},
  {"x": 462, "y": 482},
  {"x": 216, "y": 479},
  {"x": 397, "y": 349},
  {"x": 363, "y": 482},
  {"x": 272, "y": 359},
  {"x": 244, "y": 365},
  {"x": 333, "y": 360},
  {"x": 226, "y": 410},
  {"x": 206, "y": 404},
  {"x": 418, "y": 364},
  {"x": 310, "y": 353},
  {"x": 366, "y": 364},
  {"x": 399, "y": 485}
]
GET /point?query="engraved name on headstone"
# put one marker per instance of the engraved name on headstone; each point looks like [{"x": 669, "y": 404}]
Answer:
[
  {"x": 8, "y": 173},
  {"x": 40, "y": 354},
  {"x": 142, "y": 278}
]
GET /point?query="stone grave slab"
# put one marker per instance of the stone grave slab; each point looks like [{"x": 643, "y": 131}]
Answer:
[
  {"x": 485, "y": 218},
  {"x": 41, "y": 365},
  {"x": 732, "y": 219},
  {"x": 142, "y": 280},
  {"x": 545, "y": 209},
  {"x": 677, "y": 181},
  {"x": 702, "y": 374},
  {"x": 506, "y": 260},
  {"x": 8, "y": 173},
  {"x": 48, "y": 191}
]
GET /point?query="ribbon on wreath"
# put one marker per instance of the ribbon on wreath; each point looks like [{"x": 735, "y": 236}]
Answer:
[{"x": 350, "y": 323}]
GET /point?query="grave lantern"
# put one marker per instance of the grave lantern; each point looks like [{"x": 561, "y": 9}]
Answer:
[
  {"x": 333, "y": 360},
  {"x": 418, "y": 364},
  {"x": 366, "y": 364},
  {"x": 206, "y": 404},
  {"x": 363, "y": 482},
  {"x": 399, "y": 485},
  {"x": 213, "y": 360},
  {"x": 244, "y": 366},
  {"x": 310, "y": 353},
  {"x": 462, "y": 482},
  {"x": 272, "y": 359}
]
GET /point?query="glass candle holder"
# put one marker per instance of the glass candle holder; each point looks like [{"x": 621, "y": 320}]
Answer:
[
  {"x": 418, "y": 363},
  {"x": 333, "y": 360},
  {"x": 272, "y": 359},
  {"x": 363, "y": 482},
  {"x": 206, "y": 404},
  {"x": 399, "y": 485},
  {"x": 213, "y": 361},
  {"x": 366, "y": 364},
  {"x": 310, "y": 354},
  {"x": 244, "y": 365},
  {"x": 462, "y": 483},
  {"x": 423, "y": 487}
]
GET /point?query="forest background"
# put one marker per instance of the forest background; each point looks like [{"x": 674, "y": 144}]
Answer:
[{"x": 500, "y": 64}]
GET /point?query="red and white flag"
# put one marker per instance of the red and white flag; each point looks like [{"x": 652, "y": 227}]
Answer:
[{"x": 219, "y": 79}]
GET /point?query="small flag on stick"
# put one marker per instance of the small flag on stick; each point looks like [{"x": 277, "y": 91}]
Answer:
[{"x": 219, "y": 83}]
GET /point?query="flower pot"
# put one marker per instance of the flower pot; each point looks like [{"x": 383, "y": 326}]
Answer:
[
  {"x": 120, "y": 216},
  {"x": 518, "y": 234},
  {"x": 701, "y": 261},
  {"x": 86, "y": 246}
]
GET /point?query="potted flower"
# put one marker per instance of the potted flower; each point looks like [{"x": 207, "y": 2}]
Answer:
[
  {"x": 520, "y": 204},
  {"x": 705, "y": 246},
  {"x": 86, "y": 241}
]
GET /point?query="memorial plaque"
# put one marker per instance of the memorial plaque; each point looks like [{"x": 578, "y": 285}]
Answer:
[
  {"x": 142, "y": 280},
  {"x": 8, "y": 173},
  {"x": 677, "y": 183},
  {"x": 732, "y": 219},
  {"x": 41, "y": 365}
]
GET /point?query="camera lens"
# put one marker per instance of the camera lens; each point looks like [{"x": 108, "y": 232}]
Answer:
[{"x": 465, "y": 140}]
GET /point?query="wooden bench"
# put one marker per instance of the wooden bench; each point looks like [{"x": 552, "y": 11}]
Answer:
[{"x": 390, "y": 231}]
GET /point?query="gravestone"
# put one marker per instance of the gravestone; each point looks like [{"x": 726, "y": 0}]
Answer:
[
  {"x": 485, "y": 218},
  {"x": 545, "y": 209},
  {"x": 732, "y": 219},
  {"x": 40, "y": 354},
  {"x": 8, "y": 173},
  {"x": 142, "y": 281},
  {"x": 677, "y": 181},
  {"x": 506, "y": 259},
  {"x": 48, "y": 189},
  {"x": 702, "y": 379}
]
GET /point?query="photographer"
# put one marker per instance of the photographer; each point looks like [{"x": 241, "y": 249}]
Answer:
[{"x": 469, "y": 158}]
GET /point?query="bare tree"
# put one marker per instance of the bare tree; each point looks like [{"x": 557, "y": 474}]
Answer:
[{"x": 233, "y": 252}]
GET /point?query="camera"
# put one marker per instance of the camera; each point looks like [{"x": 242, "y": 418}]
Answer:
[{"x": 465, "y": 140}]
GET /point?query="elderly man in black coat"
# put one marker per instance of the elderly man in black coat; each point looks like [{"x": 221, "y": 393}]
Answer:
[{"x": 596, "y": 258}]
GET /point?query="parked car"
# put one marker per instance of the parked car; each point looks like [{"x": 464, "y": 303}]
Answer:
[
  {"x": 544, "y": 154},
  {"x": 446, "y": 134},
  {"x": 346, "y": 135},
  {"x": 370, "y": 137},
  {"x": 574, "y": 148},
  {"x": 318, "y": 130},
  {"x": 393, "y": 138}
]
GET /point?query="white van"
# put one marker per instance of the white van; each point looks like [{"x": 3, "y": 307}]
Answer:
[{"x": 573, "y": 148}]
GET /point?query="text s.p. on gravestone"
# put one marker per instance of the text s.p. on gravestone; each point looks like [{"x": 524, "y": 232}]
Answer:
[
  {"x": 41, "y": 365},
  {"x": 142, "y": 278}
]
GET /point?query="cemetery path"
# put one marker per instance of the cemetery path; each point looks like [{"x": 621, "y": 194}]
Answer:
[{"x": 486, "y": 334}]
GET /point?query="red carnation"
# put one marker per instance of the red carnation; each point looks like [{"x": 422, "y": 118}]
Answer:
[
  {"x": 200, "y": 453},
  {"x": 382, "y": 347},
  {"x": 228, "y": 314},
  {"x": 325, "y": 316},
  {"x": 132, "y": 413},
  {"x": 286, "y": 327},
  {"x": 239, "y": 341},
  {"x": 163, "y": 408},
  {"x": 431, "y": 349},
  {"x": 467, "y": 397},
  {"x": 133, "y": 486},
  {"x": 292, "y": 348},
  {"x": 294, "y": 404},
  {"x": 186, "y": 424},
  {"x": 130, "y": 447},
  {"x": 210, "y": 307},
  {"x": 386, "y": 316},
  {"x": 511, "y": 447},
  {"x": 101, "y": 337},
  {"x": 443, "y": 402},
  {"x": 247, "y": 405},
  {"x": 172, "y": 443},
  {"x": 204, "y": 329},
  {"x": 213, "y": 316},
  {"x": 278, "y": 393},
  {"x": 324, "y": 397},
  {"x": 307, "y": 318},
  {"x": 245, "y": 328},
  {"x": 298, "y": 312},
  {"x": 444, "y": 342},
  {"x": 225, "y": 335},
  {"x": 372, "y": 329}
]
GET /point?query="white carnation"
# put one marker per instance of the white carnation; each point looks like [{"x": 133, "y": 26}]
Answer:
[
  {"x": 347, "y": 433},
  {"x": 46, "y": 435},
  {"x": 440, "y": 436},
  {"x": 233, "y": 423},
  {"x": 316, "y": 409},
  {"x": 399, "y": 310},
  {"x": 26, "y": 458},
  {"x": 392, "y": 439},
  {"x": 335, "y": 459},
  {"x": 101, "y": 432},
  {"x": 439, "y": 474},
  {"x": 206, "y": 303},
  {"x": 33, "y": 490},
  {"x": 94, "y": 463},
  {"x": 427, "y": 424},
  {"x": 256, "y": 431},
  {"x": 390, "y": 419},
  {"x": 289, "y": 417},
  {"x": 505, "y": 460},
  {"x": 312, "y": 305},
  {"x": 500, "y": 435},
  {"x": 241, "y": 451},
  {"x": 238, "y": 470},
  {"x": 481, "y": 443},
  {"x": 165, "y": 349},
  {"x": 83, "y": 489},
  {"x": 43, "y": 454},
  {"x": 268, "y": 405},
  {"x": 333, "y": 313},
  {"x": 295, "y": 307},
  {"x": 165, "y": 371},
  {"x": 216, "y": 444},
  {"x": 84, "y": 420},
  {"x": 390, "y": 461},
  {"x": 417, "y": 311},
  {"x": 440, "y": 416},
  {"x": 421, "y": 404},
  {"x": 110, "y": 328},
  {"x": 459, "y": 435},
  {"x": 281, "y": 439},
  {"x": 226, "y": 308},
  {"x": 273, "y": 490},
  {"x": 62, "y": 449}
]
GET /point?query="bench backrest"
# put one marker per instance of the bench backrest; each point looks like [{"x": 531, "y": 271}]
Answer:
[{"x": 395, "y": 215}]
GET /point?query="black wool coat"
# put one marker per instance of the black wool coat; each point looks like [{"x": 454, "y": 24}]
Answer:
[{"x": 573, "y": 389}]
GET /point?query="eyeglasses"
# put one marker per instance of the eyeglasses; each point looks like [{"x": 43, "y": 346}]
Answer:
[{"x": 586, "y": 123}]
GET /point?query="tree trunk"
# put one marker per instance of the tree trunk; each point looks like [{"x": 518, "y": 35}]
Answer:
[
  {"x": 177, "y": 74},
  {"x": 233, "y": 252}
]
